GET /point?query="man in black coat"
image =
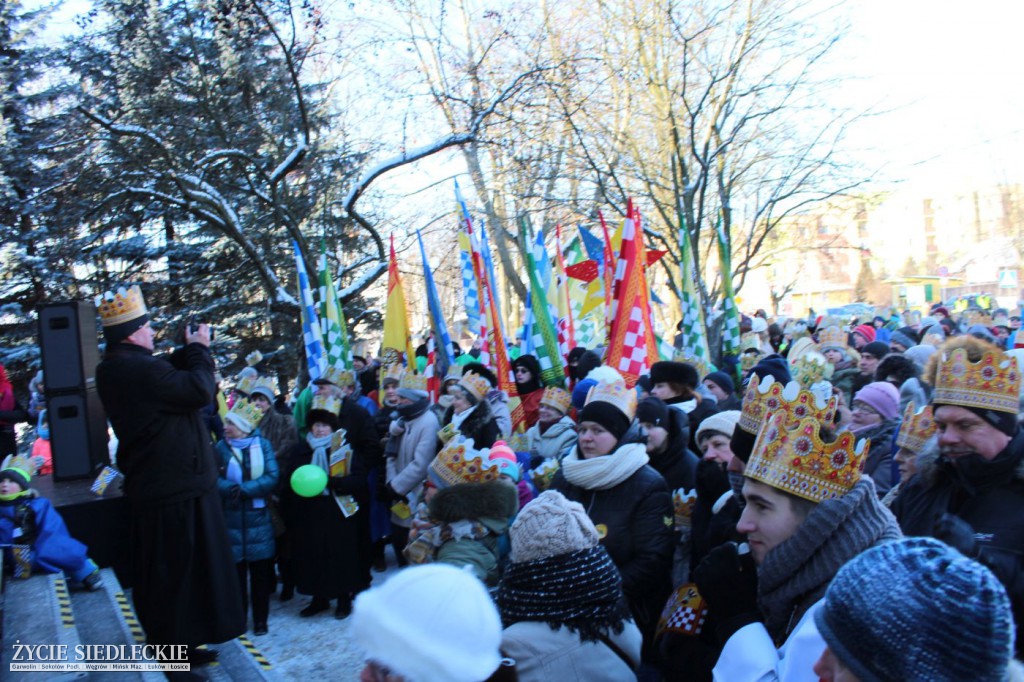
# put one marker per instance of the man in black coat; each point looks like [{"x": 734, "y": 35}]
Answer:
[
  {"x": 973, "y": 499},
  {"x": 185, "y": 587}
]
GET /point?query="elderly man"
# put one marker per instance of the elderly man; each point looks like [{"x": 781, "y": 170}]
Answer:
[{"x": 974, "y": 499}]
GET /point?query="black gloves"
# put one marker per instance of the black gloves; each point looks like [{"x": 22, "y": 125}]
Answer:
[
  {"x": 235, "y": 493},
  {"x": 712, "y": 481},
  {"x": 958, "y": 534},
  {"x": 728, "y": 582},
  {"x": 388, "y": 495}
]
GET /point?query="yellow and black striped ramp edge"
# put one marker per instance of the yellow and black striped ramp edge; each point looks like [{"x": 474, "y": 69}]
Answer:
[
  {"x": 129, "y": 617},
  {"x": 255, "y": 653},
  {"x": 60, "y": 590}
]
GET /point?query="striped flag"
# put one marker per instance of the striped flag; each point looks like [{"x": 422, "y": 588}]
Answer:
[
  {"x": 478, "y": 274},
  {"x": 445, "y": 358},
  {"x": 397, "y": 335},
  {"x": 485, "y": 251},
  {"x": 566, "y": 328},
  {"x": 332, "y": 320},
  {"x": 695, "y": 339},
  {"x": 731, "y": 330},
  {"x": 312, "y": 335},
  {"x": 470, "y": 290},
  {"x": 544, "y": 339}
]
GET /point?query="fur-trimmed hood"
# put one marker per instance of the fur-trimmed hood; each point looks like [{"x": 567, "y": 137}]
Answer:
[
  {"x": 929, "y": 459},
  {"x": 494, "y": 500}
]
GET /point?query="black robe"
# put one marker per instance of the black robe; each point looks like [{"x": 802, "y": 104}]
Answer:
[
  {"x": 332, "y": 554},
  {"x": 185, "y": 587}
]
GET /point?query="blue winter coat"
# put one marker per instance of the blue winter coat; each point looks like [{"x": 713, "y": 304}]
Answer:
[
  {"x": 249, "y": 527},
  {"x": 53, "y": 548}
]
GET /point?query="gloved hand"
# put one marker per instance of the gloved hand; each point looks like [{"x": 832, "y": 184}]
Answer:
[
  {"x": 712, "y": 481},
  {"x": 728, "y": 582},
  {"x": 235, "y": 493},
  {"x": 958, "y": 534},
  {"x": 393, "y": 495}
]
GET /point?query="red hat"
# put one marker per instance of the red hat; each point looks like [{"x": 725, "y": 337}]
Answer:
[{"x": 865, "y": 330}]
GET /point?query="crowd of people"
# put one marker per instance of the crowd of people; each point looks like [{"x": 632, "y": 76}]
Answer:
[{"x": 839, "y": 501}]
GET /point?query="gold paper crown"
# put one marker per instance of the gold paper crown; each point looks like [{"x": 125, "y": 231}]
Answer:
[
  {"x": 748, "y": 360},
  {"x": 916, "y": 429},
  {"x": 766, "y": 397},
  {"x": 245, "y": 385},
  {"x": 558, "y": 398},
  {"x": 750, "y": 342},
  {"x": 702, "y": 366},
  {"x": 416, "y": 382},
  {"x": 338, "y": 376},
  {"x": 793, "y": 458},
  {"x": 269, "y": 388},
  {"x": 393, "y": 371},
  {"x": 460, "y": 462},
  {"x": 615, "y": 394},
  {"x": 454, "y": 373},
  {"x": 23, "y": 465},
  {"x": 244, "y": 415},
  {"x": 810, "y": 368},
  {"x": 253, "y": 358},
  {"x": 326, "y": 403},
  {"x": 993, "y": 383},
  {"x": 831, "y": 338},
  {"x": 390, "y": 356},
  {"x": 124, "y": 306},
  {"x": 475, "y": 385}
]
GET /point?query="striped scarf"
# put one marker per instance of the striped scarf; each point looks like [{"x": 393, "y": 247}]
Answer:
[{"x": 581, "y": 590}]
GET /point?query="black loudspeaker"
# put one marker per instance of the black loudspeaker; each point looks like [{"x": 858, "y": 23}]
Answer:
[
  {"x": 78, "y": 433},
  {"x": 68, "y": 342}
]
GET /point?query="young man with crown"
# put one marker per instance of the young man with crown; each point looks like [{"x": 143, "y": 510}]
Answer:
[
  {"x": 808, "y": 511},
  {"x": 184, "y": 584},
  {"x": 973, "y": 498}
]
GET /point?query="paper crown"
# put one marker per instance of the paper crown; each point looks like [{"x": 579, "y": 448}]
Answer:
[
  {"x": 253, "y": 358},
  {"x": 810, "y": 368},
  {"x": 338, "y": 376},
  {"x": 615, "y": 394},
  {"x": 460, "y": 462},
  {"x": 831, "y": 338},
  {"x": 123, "y": 306},
  {"x": 416, "y": 382},
  {"x": 765, "y": 397},
  {"x": 265, "y": 386},
  {"x": 992, "y": 383},
  {"x": 326, "y": 403},
  {"x": 750, "y": 342},
  {"x": 475, "y": 385},
  {"x": 558, "y": 398},
  {"x": 244, "y": 415},
  {"x": 916, "y": 429},
  {"x": 18, "y": 467},
  {"x": 749, "y": 359},
  {"x": 245, "y": 385},
  {"x": 793, "y": 458},
  {"x": 394, "y": 372},
  {"x": 702, "y": 365},
  {"x": 454, "y": 373}
]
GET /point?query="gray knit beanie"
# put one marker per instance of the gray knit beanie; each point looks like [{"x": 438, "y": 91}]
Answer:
[
  {"x": 916, "y": 610},
  {"x": 551, "y": 525}
]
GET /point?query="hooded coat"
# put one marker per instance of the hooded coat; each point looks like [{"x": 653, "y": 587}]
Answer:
[{"x": 248, "y": 518}]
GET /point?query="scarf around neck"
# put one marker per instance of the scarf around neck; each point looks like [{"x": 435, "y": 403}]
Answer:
[
  {"x": 796, "y": 573},
  {"x": 580, "y": 590},
  {"x": 458, "y": 418},
  {"x": 413, "y": 410},
  {"x": 602, "y": 473},
  {"x": 319, "y": 446}
]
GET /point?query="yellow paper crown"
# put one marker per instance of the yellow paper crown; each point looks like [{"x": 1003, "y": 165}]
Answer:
[
  {"x": 810, "y": 368},
  {"x": 992, "y": 383},
  {"x": 766, "y": 397},
  {"x": 793, "y": 458},
  {"x": 244, "y": 415},
  {"x": 978, "y": 317},
  {"x": 416, "y": 382},
  {"x": 475, "y": 385},
  {"x": 916, "y": 429},
  {"x": 558, "y": 398},
  {"x": 23, "y": 465},
  {"x": 245, "y": 385},
  {"x": 454, "y": 373},
  {"x": 702, "y": 366},
  {"x": 394, "y": 372},
  {"x": 339, "y": 376},
  {"x": 253, "y": 358},
  {"x": 624, "y": 399},
  {"x": 831, "y": 338},
  {"x": 460, "y": 462},
  {"x": 123, "y": 306},
  {"x": 326, "y": 403}
]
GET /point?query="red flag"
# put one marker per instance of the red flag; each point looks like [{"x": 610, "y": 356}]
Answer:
[{"x": 584, "y": 270}]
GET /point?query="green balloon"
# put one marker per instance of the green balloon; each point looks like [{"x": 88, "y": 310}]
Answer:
[{"x": 309, "y": 480}]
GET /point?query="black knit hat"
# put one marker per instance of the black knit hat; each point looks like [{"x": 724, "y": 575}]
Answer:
[
  {"x": 607, "y": 415},
  {"x": 652, "y": 411},
  {"x": 481, "y": 369},
  {"x": 674, "y": 373}
]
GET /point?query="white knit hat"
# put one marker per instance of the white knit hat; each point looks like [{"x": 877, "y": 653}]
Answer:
[
  {"x": 551, "y": 525},
  {"x": 722, "y": 422},
  {"x": 431, "y": 623}
]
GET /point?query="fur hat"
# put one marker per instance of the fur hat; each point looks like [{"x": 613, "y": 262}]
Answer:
[
  {"x": 431, "y": 623},
  {"x": 917, "y": 609},
  {"x": 674, "y": 372},
  {"x": 551, "y": 525}
]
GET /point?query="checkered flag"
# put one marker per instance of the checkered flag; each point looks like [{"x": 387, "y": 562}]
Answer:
[{"x": 731, "y": 330}]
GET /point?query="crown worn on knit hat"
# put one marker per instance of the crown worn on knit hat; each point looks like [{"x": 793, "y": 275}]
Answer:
[
  {"x": 337, "y": 376},
  {"x": 611, "y": 405},
  {"x": 122, "y": 313},
  {"x": 652, "y": 411},
  {"x": 557, "y": 399},
  {"x": 674, "y": 373},
  {"x": 774, "y": 365},
  {"x": 18, "y": 469},
  {"x": 413, "y": 387},
  {"x": 811, "y": 368},
  {"x": 244, "y": 415},
  {"x": 992, "y": 383},
  {"x": 794, "y": 459},
  {"x": 430, "y": 623},
  {"x": 720, "y": 422},
  {"x": 551, "y": 525},
  {"x": 766, "y": 397},
  {"x": 722, "y": 380},
  {"x": 700, "y": 364},
  {"x": 832, "y": 338},
  {"x": 882, "y": 397},
  {"x": 917, "y": 609},
  {"x": 263, "y": 386},
  {"x": 460, "y": 462}
]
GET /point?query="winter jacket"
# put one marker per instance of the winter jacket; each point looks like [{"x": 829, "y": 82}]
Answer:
[
  {"x": 42, "y": 527},
  {"x": 280, "y": 430},
  {"x": 677, "y": 464},
  {"x": 635, "y": 519},
  {"x": 480, "y": 425},
  {"x": 493, "y": 504},
  {"x": 697, "y": 414},
  {"x": 407, "y": 470},
  {"x": 844, "y": 380},
  {"x": 498, "y": 401},
  {"x": 878, "y": 464},
  {"x": 154, "y": 405},
  {"x": 248, "y": 518},
  {"x": 987, "y": 495},
  {"x": 557, "y": 439},
  {"x": 543, "y": 654}
]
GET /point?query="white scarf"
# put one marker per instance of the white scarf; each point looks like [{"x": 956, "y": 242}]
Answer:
[
  {"x": 319, "y": 458},
  {"x": 602, "y": 473},
  {"x": 457, "y": 419},
  {"x": 256, "y": 466}
]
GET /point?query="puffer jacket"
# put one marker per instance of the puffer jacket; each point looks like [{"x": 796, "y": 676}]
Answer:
[
  {"x": 248, "y": 518},
  {"x": 559, "y": 437},
  {"x": 493, "y": 504}
]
